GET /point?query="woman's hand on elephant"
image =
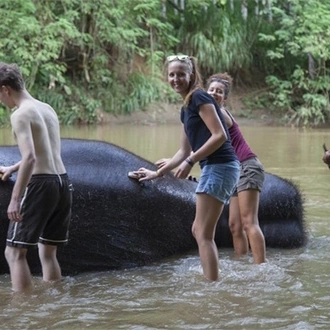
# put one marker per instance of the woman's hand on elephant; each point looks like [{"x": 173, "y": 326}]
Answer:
[
  {"x": 162, "y": 162},
  {"x": 143, "y": 174}
]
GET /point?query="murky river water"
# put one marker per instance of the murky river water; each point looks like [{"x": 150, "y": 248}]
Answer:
[{"x": 290, "y": 291}]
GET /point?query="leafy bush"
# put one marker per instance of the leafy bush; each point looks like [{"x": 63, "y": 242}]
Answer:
[{"x": 303, "y": 38}]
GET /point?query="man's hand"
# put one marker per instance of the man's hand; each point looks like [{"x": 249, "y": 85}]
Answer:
[
  {"x": 14, "y": 211},
  {"x": 5, "y": 172}
]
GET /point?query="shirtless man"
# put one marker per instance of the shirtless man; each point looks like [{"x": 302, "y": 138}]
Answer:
[{"x": 40, "y": 207}]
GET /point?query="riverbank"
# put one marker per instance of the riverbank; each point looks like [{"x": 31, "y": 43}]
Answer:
[{"x": 165, "y": 113}]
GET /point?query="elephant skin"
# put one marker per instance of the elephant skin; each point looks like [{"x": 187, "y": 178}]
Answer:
[{"x": 119, "y": 223}]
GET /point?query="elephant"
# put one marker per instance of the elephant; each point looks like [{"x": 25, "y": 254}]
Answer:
[{"x": 118, "y": 222}]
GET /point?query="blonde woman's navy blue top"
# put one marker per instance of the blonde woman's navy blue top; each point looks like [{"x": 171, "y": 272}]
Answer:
[{"x": 198, "y": 133}]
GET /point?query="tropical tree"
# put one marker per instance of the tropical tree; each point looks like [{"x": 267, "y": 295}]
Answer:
[
  {"x": 84, "y": 57},
  {"x": 300, "y": 85}
]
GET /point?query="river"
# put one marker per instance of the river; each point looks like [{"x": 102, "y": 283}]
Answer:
[{"x": 290, "y": 291}]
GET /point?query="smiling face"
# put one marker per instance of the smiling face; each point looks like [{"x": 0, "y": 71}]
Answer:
[
  {"x": 179, "y": 75},
  {"x": 217, "y": 90}
]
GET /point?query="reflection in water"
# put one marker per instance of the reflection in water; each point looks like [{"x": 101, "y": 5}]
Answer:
[{"x": 290, "y": 291}]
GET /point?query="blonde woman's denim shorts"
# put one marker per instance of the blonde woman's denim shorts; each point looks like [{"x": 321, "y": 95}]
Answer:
[
  {"x": 219, "y": 180},
  {"x": 252, "y": 175}
]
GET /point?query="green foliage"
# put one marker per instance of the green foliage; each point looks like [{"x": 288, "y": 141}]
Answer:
[
  {"x": 73, "y": 52},
  {"x": 211, "y": 33},
  {"x": 3, "y": 116},
  {"x": 303, "y": 38},
  {"x": 84, "y": 57},
  {"x": 142, "y": 92}
]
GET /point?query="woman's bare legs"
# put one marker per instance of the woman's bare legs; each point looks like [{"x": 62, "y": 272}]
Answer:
[
  {"x": 208, "y": 211},
  {"x": 248, "y": 201},
  {"x": 240, "y": 242}
]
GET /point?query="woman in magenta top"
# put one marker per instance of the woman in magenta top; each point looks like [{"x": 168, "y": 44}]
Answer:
[{"x": 244, "y": 205}]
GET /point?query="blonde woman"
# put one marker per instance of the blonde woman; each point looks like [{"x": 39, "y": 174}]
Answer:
[{"x": 205, "y": 141}]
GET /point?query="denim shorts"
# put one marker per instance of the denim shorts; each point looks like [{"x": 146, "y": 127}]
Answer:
[
  {"x": 219, "y": 180},
  {"x": 252, "y": 175}
]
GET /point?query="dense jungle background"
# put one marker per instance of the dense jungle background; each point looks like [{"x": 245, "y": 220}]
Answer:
[{"x": 85, "y": 57}]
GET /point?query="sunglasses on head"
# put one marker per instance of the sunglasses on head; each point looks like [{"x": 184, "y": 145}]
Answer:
[{"x": 177, "y": 57}]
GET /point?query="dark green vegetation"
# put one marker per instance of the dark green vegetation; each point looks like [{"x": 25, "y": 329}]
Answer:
[{"x": 86, "y": 56}]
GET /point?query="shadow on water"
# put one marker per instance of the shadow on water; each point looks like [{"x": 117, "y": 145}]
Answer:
[{"x": 290, "y": 291}]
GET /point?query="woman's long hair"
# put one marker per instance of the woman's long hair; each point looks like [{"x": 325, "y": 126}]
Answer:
[{"x": 196, "y": 82}]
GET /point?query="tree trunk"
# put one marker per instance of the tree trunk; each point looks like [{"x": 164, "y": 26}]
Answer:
[
  {"x": 244, "y": 10},
  {"x": 311, "y": 66}
]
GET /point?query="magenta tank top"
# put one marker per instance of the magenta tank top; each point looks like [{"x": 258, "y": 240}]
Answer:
[{"x": 242, "y": 149}]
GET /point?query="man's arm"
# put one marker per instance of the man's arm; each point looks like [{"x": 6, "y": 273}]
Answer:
[{"x": 22, "y": 129}]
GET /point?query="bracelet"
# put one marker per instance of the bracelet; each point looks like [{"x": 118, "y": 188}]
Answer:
[{"x": 189, "y": 161}]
